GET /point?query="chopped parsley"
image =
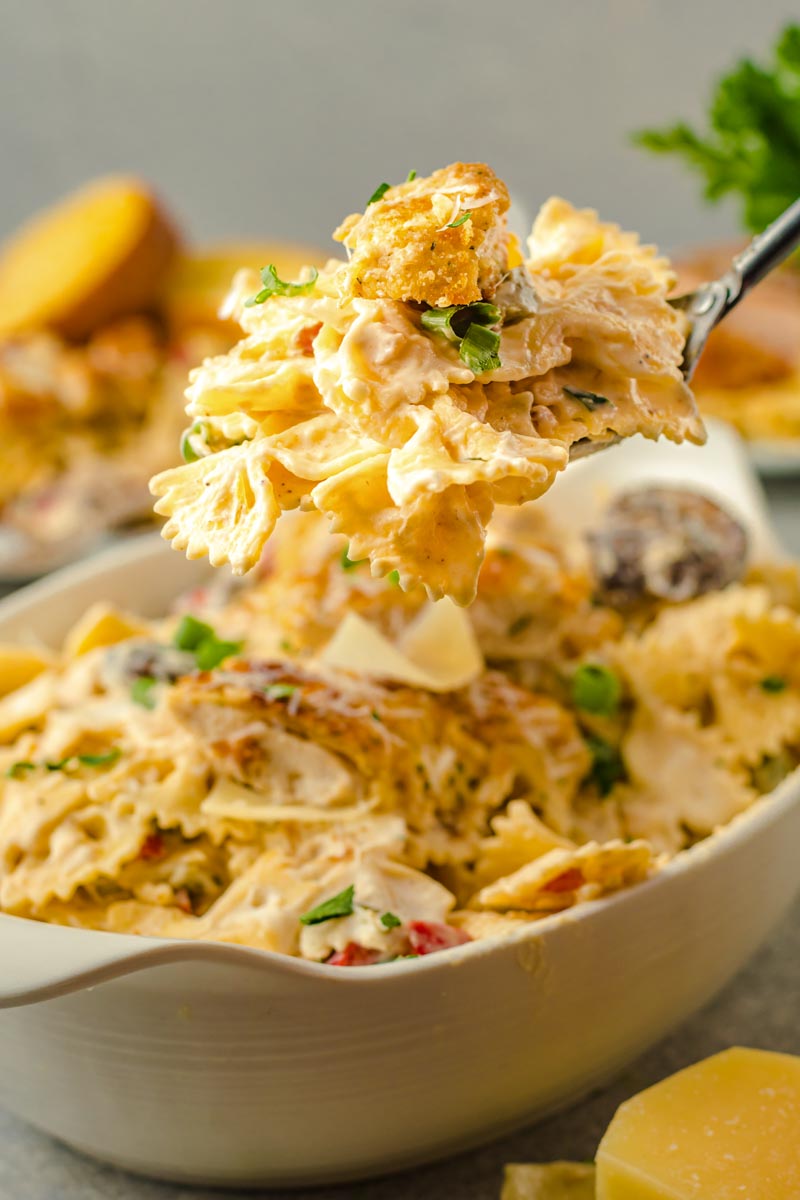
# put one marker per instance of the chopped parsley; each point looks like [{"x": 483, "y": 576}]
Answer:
[
  {"x": 596, "y": 689},
  {"x": 773, "y": 684},
  {"x": 469, "y": 327},
  {"x": 589, "y": 400},
  {"x": 461, "y": 220},
  {"x": 142, "y": 691},
  {"x": 191, "y": 632},
  {"x": 100, "y": 760},
  {"x": 411, "y": 175},
  {"x": 200, "y": 639},
  {"x": 19, "y": 770},
  {"x": 273, "y": 286},
  {"x": 338, "y": 906},
  {"x": 188, "y": 452},
  {"x": 280, "y": 691},
  {"x": 393, "y": 578},
  {"x": 607, "y": 766},
  {"x": 390, "y": 920},
  {"x": 348, "y": 563},
  {"x": 378, "y": 194},
  {"x": 211, "y": 653}
]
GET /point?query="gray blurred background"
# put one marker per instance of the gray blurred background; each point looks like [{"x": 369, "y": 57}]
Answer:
[{"x": 269, "y": 118}]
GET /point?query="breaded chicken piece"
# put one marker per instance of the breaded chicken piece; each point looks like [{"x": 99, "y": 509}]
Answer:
[
  {"x": 446, "y": 759},
  {"x": 414, "y": 244}
]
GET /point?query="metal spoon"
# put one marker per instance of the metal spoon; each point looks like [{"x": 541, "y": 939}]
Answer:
[{"x": 708, "y": 304}]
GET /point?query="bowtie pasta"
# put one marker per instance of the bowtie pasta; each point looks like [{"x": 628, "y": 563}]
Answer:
[
  {"x": 435, "y": 374},
  {"x": 239, "y": 771}
]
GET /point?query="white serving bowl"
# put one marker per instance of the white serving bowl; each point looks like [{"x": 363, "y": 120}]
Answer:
[{"x": 221, "y": 1065}]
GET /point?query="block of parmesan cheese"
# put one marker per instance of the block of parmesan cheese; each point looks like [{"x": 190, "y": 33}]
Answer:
[{"x": 727, "y": 1128}]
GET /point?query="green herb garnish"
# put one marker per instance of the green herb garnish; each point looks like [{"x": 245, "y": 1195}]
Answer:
[
  {"x": 479, "y": 348},
  {"x": 378, "y": 194},
  {"x": 589, "y": 400},
  {"x": 100, "y": 760},
  {"x": 454, "y": 322},
  {"x": 142, "y": 690},
  {"x": 607, "y": 766},
  {"x": 773, "y": 684},
  {"x": 280, "y": 691},
  {"x": 467, "y": 325},
  {"x": 273, "y": 286},
  {"x": 393, "y": 578},
  {"x": 348, "y": 563},
  {"x": 337, "y": 906},
  {"x": 464, "y": 217},
  {"x": 188, "y": 453},
  {"x": 411, "y": 175},
  {"x": 210, "y": 653},
  {"x": 200, "y": 639},
  {"x": 390, "y": 921},
  {"x": 596, "y": 689},
  {"x": 18, "y": 770},
  {"x": 752, "y": 146},
  {"x": 191, "y": 632}
]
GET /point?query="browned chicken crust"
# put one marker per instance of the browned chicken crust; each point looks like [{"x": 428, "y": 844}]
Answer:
[
  {"x": 438, "y": 240},
  {"x": 491, "y": 738}
]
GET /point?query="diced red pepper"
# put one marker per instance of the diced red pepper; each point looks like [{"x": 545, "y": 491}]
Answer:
[
  {"x": 153, "y": 848},
  {"x": 426, "y": 937},
  {"x": 568, "y": 881},
  {"x": 354, "y": 955}
]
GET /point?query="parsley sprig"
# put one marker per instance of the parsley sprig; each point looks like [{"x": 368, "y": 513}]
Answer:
[
  {"x": 752, "y": 146},
  {"x": 469, "y": 327},
  {"x": 274, "y": 286}
]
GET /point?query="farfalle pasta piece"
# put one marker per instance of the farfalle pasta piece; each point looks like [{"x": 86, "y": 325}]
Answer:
[
  {"x": 440, "y": 376},
  {"x": 680, "y": 785},
  {"x": 438, "y": 538},
  {"x": 564, "y": 877},
  {"x": 223, "y": 505}
]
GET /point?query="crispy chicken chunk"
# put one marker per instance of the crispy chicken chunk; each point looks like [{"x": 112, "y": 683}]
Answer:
[
  {"x": 439, "y": 240},
  {"x": 445, "y": 761}
]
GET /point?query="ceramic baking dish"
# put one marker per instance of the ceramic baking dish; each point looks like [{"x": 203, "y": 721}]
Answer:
[{"x": 221, "y": 1065}]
